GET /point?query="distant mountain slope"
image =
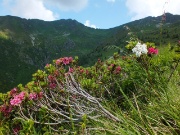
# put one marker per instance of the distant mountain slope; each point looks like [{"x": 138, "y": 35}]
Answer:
[
  {"x": 27, "y": 45},
  {"x": 149, "y": 29}
]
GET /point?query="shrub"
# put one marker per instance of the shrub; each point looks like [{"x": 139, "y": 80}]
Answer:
[{"x": 65, "y": 96}]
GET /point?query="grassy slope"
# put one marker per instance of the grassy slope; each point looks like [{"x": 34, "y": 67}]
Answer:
[{"x": 160, "y": 116}]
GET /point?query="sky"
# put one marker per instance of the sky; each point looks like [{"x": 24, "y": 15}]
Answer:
[{"x": 101, "y": 14}]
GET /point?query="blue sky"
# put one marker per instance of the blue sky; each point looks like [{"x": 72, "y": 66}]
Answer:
[{"x": 102, "y": 14}]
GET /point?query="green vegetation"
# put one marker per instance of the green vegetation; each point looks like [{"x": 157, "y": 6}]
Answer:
[
  {"x": 126, "y": 94},
  {"x": 27, "y": 45},
  {"x": 134, "y": 91},
  {"x": 3, "y": 35}
]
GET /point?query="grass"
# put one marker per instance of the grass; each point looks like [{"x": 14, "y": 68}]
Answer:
[{"x": 160, "y": 116}]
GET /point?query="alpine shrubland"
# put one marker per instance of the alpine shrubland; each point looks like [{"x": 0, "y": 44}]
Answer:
[{"x": 137, "y": 93}]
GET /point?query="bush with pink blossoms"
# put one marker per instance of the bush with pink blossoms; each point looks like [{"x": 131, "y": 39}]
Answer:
[
  {"x": 48, "y": 89},
  {"x": 51, "y": 97}
]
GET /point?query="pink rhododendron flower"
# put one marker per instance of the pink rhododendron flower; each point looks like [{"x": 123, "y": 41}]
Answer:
[
  {"x": 13, "y": 92},
  {"x": 16, "y": 129},
  {"x": 66, "y": 61},
  {"x": 33, "y": 96},
  {"x": 52, "y": 85},
  {"x": 110, "y": 67},
  {"x": 87, "y": 72},
  {"x": 70, "y": 59},
  {"x": 21, "y": 96},
  {"x": 6, "y": 109},
  {"x": 56, "y": 73},
  {"x": 59, "y": 61},
  {"x": 40, "y": 94},
  {"x": 51, "y": 78},
  {"x": 118, "y": 69},
  {"x": 156, "y": 51},
  {"x": 152, "y": 50},
  {"x": 82, "y": 71},
  {"x": 47, "y": 65},
  {"x": 17, "y": 99},
  {"x": 71, "y": 70}
]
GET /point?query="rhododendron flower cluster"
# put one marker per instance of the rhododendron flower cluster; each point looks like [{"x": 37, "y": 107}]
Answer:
[
  {"x": 51, "y": 78},
  {"x": 33, "y": 96},
  {"x": 80, "y": 70},
  {"x": 87, "y": 72},
  {"x": 13, "y": 92},
  {"x": 117, "y": 70},
  {"x": 52, "y": 85},
  {"x": 152, "y": 50},
  {"x": 71, "y": 70},
  {"x": 110, "y": 67},
  {"x": 6, "y": 110},
  {"x": 52, "y": 82},
  {"x": 16, "y": 129},
  {"x": 40, "y": 94},
  {"x": 18, "y": 99},
  {"x": 47, "y": 65},
  {"x": 140, "y": 49},
  {"x": 65, "y": 61}
]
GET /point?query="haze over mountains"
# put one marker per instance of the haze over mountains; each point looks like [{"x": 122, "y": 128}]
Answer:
[{"x": 28, "y": 45}]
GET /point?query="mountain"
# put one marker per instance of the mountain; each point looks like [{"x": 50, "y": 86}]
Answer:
[
  {"x": 149, "y": 29},
  {"x": 28, "y": 45}
]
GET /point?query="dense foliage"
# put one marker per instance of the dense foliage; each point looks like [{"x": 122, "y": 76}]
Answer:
[{"x": 132, "y": 94}]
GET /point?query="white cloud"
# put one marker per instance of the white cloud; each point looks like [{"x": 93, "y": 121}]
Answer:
[
  {"x": 112, "y": 1},
  {"x": 67, "y": 5},
  {"x": 143, "y": 8},
  {"x": 88, "y": 24},
  {"x": 30, "y": 9},
  {"x": 38, "y": 8}
]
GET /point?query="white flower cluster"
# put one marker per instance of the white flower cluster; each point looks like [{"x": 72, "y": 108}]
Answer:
[{"x": 140, "y": 49}]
